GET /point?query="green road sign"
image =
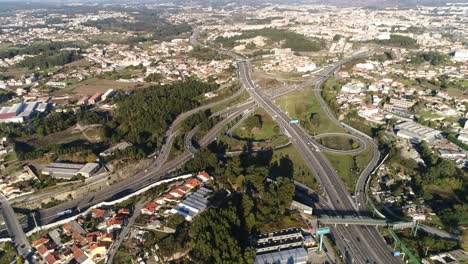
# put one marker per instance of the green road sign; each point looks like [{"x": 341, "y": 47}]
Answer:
[{"x": 323, "y": 230}]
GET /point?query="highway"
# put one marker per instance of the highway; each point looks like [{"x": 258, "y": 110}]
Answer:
[
  {"x": 159, "y": 169},
  {"x": 358, "y": 245},
  {"x": 19, "y": 239}
]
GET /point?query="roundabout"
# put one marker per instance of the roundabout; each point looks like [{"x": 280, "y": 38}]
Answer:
[{"x": 347, "y": 141}]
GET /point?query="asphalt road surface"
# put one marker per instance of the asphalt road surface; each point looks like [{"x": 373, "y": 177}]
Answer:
[
  {"x": 356, "y": 244},
  {"x": 15, "y": 230}
]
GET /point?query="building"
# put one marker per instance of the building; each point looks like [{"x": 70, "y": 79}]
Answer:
[
  {"x": 68, "y": 170},
  {"x": 353, "y": 88},
  {"x": 461, "y": 56},
  {"x": 193, "y": 205},
  {"x": 416, "y": 132},
  {"x": 95, "y": 98},
  {"x": 108, "y": 94},
  {"x": 20, "y": 112},
  {"x": 279, "y": 240},
  {"x": 302, "y": 207},
  {"x": 451, "y": 154},
  {"x": 296, "y": 255},
  {"x": 451, "y": 257},
  {"x": 110, "y": 151},
  {"x": 403, "y": 104}
]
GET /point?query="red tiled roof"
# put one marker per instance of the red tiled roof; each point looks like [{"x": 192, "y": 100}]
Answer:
[
  {"x": 204, "y": 174},
  {"x": 123, "y": 211},
  {"x": 42, "y": 250},
  {"x": 106, "y": 236},
  {"x": 192, "y": 183},
  {"x": 97, "y": 213},
  {"x": 177, "y": 191},
  {"x": 92, "y": 236},
  {"x": 50, "y": 258},
  {"x": 150, "y": 207},
  {"x": 114, "y": 221},
  {"x": 40, "y": 241}
]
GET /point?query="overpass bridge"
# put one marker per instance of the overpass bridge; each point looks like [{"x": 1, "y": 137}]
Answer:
[{"x": 366, "y": 221}]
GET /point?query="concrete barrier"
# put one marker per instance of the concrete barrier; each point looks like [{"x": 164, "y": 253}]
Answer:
[{"x": 142, "y": 190}]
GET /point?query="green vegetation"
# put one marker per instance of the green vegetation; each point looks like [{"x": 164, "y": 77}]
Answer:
[
  {"x": 303, "y": 105},
  {"x": 50, "y": 59},
  {"x": 434, "y": 58},
  {"x": 38, "y": 48},
  {"x": 258, "y": 126},
  {"x": 206, "y": 54},
  {"x": 423, "y": 245},
  {"x": 225, "y": 242},
  {"x": 143, "y": 117},
  {"x": 154, "y": 77},
  {"x": 292, "y": 40},
  {"x": 349, "y": 167},
  {"x": 287, "y": 161},
  {"x": 444, "y": 188},
  {"x": 338, "y": 142},
  {"x": 398, "y": 40},
  {"x": 257, "y": 205},
  {"x": 457, "y": 142},
  {"x": 7, "y": 252},
  {"x": 153, "y": 24}
]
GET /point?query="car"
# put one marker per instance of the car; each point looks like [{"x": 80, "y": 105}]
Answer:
[
  {"x": 146, "y": 170},
  {"x": 358, "y": 239}
]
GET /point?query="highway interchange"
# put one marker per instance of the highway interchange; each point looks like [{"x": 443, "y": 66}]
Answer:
[{"x": 356, "y": 244}]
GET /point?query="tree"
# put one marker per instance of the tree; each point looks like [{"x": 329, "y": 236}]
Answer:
[{"x": 216, "y": 237}]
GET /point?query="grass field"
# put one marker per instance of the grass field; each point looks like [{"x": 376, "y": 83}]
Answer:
[
  {"x": 338, "y": 142},
  {"x": 239, "y": 144},
  {"x": 68, "y": 135},
  {"x": 301, "y": 104},
  {"x": 301, "y": 172},
  {"x": 349, "y": 168},
  {"x": 268, "y": 130}
]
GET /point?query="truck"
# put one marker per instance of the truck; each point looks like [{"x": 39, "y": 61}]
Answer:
[
  {"x": 69, "y": 211},
  {"x": 293, "y": 121}
]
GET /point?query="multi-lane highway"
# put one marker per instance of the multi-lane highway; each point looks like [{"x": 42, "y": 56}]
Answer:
[
  {"x": 358, "y": 245},
  {"x": 15, "y": 231}
]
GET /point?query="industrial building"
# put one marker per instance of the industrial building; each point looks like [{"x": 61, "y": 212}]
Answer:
[
  {"x": 68, "y": 170},
  {"x": 193, "y": 205},
  {"x": 110, "y": 151},
  {"x": 20, "y": 112},
  {"x": 294, "y": 255},
  {"x": 278, "y": 240},
  {"x": 416, "y": 132}
]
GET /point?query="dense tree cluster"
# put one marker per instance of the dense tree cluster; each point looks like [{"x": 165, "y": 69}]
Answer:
[
  {"x": 292, "y": 40},
  {"x": 153, "y": 24},
  {"x": 219, "y": 236},
  {"x": 398, "y": 40},
  {"x": 37, "y": 48},
  {"x": 434, "y": 58},
  {"x": 143, "y": 117},
  {"x": 444, "y": 174},
  {"x": 51, "y": 59},
  {"x": 206, "y": 54}
]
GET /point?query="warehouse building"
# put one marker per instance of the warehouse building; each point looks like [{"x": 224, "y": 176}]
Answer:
[
  {"x": 69, "y": 170},
  {"x": 416, "y": 132},
  {"x": 278, "y": 240},
  {"x": 294, "y": 255},
  {"x": 20, "y": 112},
  {"x": 194, "y": 204}
]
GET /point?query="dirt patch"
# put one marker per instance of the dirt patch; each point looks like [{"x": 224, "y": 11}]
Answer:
[{"x": 94, "y": 85}]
